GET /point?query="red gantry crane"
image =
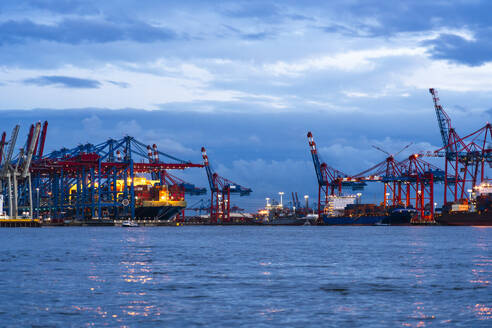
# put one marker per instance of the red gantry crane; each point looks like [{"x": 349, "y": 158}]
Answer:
[
  {"x": 330, "y": 180},
  {"x": 388, "y": 171},
  {"x": 465, "y": 158},
  {"x": 220, "y": 190},
  {"x": 408, "y": 183}
]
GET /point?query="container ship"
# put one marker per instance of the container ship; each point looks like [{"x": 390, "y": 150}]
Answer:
[
  {"x": 153, "y": 201},
  {"x": 474, "y": 212},
  {"x": 343, "y": 210},
  {"x": 399, "y": 216},
  {"x": 156, "y": 202}
]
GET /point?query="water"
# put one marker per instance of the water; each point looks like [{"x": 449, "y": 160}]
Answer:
[{"x": 246, "y": 277}]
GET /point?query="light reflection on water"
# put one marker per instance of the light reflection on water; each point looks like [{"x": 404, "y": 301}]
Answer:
[
  {"x": 483, "y": 311},
  {"x": 247, "y": 276},
  {"x": 136, "y": 267}
]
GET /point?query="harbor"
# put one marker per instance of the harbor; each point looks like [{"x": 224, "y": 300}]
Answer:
[
  {"x": 127, "y": 180},
  {"x": 245, "y": 163}
]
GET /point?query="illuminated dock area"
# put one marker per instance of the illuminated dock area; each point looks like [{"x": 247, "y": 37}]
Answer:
[{"x": 19, "y": 223}]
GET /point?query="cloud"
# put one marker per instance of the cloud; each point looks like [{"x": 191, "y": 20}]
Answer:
[
  {"x": 123, "y": 85},
  {"x": 451, "y": 76},
  {"x": 257, "y": 10},
  {"x": 251, "y": 35},
  {"x": 81, "y": 30},
  {"x": 64, "y": 82},
  {"x": 359, "y": 60},
  {"x": 373, "y": 18},
  {"x": 256, "y": 36},
  {"x": 261, "y": 175},
  {"x": 62, "y": 6},
  {"x": 457, "y": 49},
  {"x": 254, "y": 139},
  {"x": 92, "y": 125}
]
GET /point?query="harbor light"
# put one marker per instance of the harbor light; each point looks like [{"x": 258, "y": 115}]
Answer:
[
  {"x": 306, "y": 197},
  {"x": 267, "y": 202},
  {"x": 281, "y": 193}
]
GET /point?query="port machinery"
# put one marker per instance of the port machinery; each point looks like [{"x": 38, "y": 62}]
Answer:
[
  {"x": 411, "y": 182},
  {"x": 220, "y": 193},
  {"x": 466, "y": 159},
  {"x": 203, "y": 205},
  {"x": 80, "y": 182},
  {"x": 94, "y": 170},
  {"x": 330, "y": 180},
  {"x": 16, "y": 183},
  {"x": 408, "y": 183}
]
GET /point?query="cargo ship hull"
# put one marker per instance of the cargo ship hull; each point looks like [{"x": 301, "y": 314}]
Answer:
[
  {"x": 162, "y": 213},
  {"x": 465, "y": 219},
  {"x": 347, "y": 220},
  {"x": 399, "y": 217}
]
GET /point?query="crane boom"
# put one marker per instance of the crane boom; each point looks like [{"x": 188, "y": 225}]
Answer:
[
  {"x": 210, "y": 175},
  {"x": 31, "y": 149},
  {"x": 2, "y": 146},
  {"x": 442, "y": 119},
  {"x": 10, "y": 151},
  {"x": 316, "y": 161},
  {"x": 42, "y": 140}
]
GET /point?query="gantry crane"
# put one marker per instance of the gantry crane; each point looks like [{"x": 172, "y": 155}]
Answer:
[
  {"x": 15, "y": 174},
  {"x": 82, "y": 182},
  {"x": 465, "y": 158},
  {"x": 330, "y": 180},
  {"x": 220, "y": 190},
  {"x": 408, "y": 183}
]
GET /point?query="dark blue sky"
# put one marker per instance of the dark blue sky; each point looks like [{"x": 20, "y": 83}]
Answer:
[{"x": 248, "y": 79}]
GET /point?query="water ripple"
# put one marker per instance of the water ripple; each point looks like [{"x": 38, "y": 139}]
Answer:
[{"x": 247, "y": 277}]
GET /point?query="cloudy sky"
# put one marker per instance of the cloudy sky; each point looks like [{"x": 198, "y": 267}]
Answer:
[{"x": 248, "y": 79}]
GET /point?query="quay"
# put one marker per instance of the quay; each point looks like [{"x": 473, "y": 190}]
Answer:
[{"x": 19, "y": 223}]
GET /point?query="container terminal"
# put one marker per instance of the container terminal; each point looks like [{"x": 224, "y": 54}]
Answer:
[
  {"x": 127, "y": 182},
  {"x": 408, "y": 193}
]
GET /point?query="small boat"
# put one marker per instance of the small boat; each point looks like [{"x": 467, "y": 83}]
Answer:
[{"x": 129, "y": 224}]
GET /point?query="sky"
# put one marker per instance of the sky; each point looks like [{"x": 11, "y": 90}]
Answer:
[{"x": 248, "y": 80}]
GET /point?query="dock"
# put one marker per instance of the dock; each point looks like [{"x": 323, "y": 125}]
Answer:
[{"x": 19, "y": 223}]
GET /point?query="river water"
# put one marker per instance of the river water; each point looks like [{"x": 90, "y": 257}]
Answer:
[{"x": 246, "y": 276}]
